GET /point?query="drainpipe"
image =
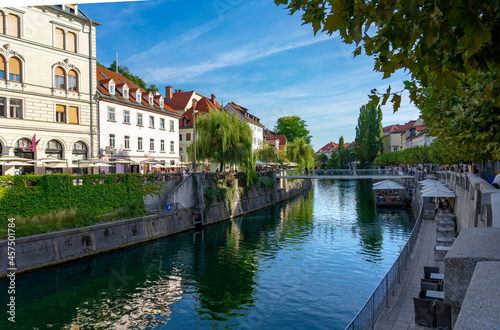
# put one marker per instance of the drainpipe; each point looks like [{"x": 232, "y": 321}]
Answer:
[{"x": 90, "y": 93}]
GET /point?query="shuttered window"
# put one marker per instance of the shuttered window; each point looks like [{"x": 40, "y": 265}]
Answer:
[
  {"x": 59, "y": 78},
  {"x": 59, "y": 38},
  {"x": 2, "y": 67},
  {"x": 72, "y": 80},
  {"x": 13, "y": 25},
  {"x": 71, "y": 42},
  {"x": 15, "y": 69},
  {"x": 73, "y": 115},
  {"x": 60, "y": 113}
]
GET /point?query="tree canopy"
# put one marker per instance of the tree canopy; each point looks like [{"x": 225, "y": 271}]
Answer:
[
  {"x": 368, "y": 143},
  {"x": 123, "y": 70},
  {"x": 438, "y": 41},
  {"x": 269, "y": 154},
  {"x": 301, "y": 153},
  {"x": 293, "y": 127},
  {"x": 223, "y": 138}
]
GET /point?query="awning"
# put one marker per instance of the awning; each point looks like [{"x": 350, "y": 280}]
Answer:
[{"x": 387, "y": 185}]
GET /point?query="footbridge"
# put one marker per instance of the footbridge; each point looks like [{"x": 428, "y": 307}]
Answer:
[{"x": 370, "y": 174}]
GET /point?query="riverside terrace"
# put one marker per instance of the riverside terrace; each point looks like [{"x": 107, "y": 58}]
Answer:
[{"x": 345, "y": 174}]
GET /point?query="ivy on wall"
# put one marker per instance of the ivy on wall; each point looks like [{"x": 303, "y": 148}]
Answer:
[{"x": 35, "y": 195}]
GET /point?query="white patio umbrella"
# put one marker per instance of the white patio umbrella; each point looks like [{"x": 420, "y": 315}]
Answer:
[
  {"x": 438, "y": 193},
  {"x": 388, "y": 185},
  {"x": 7, "y": 158}
]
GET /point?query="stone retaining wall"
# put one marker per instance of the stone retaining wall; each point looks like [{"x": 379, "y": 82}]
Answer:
[{"x": 46, "y": 249}]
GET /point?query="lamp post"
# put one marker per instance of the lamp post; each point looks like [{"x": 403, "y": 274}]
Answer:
[{"x": 195, "y": 103}]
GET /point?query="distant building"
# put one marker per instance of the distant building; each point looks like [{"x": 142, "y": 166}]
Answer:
[
  {"x": 392, "y": 136},
  {"x": 331, "y": 147},
  {"x": 254, "y": 123},
  {"x": 399, "y": 137},
  {"x": 186, "y": 131},
  {"x": 275, "y": 140}
]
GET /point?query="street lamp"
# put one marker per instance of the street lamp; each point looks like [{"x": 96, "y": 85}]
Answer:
[{"x": 195, "y": 104}]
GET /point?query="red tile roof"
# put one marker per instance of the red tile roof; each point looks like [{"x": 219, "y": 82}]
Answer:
[
  {"x": 397, "y": 128},
  {"x": 180, "y": 100},
  {"x": 282, "y": 139},
  {"x": 204, "y": 105},
  {"x": 102, "y": 72}
]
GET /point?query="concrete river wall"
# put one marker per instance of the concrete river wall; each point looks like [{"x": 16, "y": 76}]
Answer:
[{"x": 185, "y": 200}]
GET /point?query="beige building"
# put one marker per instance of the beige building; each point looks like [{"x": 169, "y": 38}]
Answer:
[{"x": 47, "y": 86}]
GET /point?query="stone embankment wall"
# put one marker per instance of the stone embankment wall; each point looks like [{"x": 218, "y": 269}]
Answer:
[
  {"x": 474, "y": 255},
  {"x": 475, "y": 201},
  {"x": 186, "y": 199}
]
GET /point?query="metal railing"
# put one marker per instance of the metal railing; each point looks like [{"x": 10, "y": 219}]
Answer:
[
  {"x": 371, "y": 172},
  {"x": 367, "y": 316}
]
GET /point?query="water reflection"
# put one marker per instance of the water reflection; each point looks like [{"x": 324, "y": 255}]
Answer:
[{"x": 302, "y": 258}]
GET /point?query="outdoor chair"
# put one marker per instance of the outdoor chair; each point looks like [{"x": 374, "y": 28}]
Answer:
[
  {"x": 428, "y": 270},
  {"x": 429, "y": 285},
  {"x": 425, "y": 312},
  {"x": 443, "y": 315}
]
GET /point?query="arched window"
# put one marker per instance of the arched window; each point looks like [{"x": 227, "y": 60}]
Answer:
[
  {"x": 54, "y": 149},
  {"x": 59, "y": 38},
  {"x": 71, "y": 42},
  {"x": 79, "y": 153},
  {"x": 72, "y": 80},
  {"x": 13, "y": 25},
  {"x": 2, "y": 67},
  {"x": 15, "y": 69},
  {"x": 59, "y": 78}
]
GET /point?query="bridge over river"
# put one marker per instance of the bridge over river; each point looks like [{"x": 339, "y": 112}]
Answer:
[{"x": 375, "y": 174}]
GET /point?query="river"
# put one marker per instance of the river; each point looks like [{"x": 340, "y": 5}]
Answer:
[{"x": 308, "y": 263}]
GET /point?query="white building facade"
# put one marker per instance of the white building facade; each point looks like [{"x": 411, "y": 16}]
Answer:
[
  {"x": 47, "y": 86},
  {"x": 254, "y": 123},
  {"x": 136, "y": 126}
]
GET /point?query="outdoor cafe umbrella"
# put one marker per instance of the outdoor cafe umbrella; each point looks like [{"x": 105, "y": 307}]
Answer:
[
  {"x": 388, "y": 186},
  {"x": 438, "y": 193},
  {"x": 7, "y": 158}
]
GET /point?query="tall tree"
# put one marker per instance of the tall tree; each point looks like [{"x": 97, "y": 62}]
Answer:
[
  {"x": 293, "y": 127},
  {"x": 369, "y": 134},
  {"x": 223, "y": 138},
  {"x": 341, "y": 143},
  {"x": 269, "y": 154}
]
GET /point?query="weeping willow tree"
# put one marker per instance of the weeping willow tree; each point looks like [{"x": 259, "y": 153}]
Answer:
[
  {"x": 221, "y": 137},
  {"x": 301, "y": 153},
  {"x": 268, "y": 154}
]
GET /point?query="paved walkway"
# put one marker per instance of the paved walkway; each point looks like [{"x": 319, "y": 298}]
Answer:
[{"x": 400, "y": 313}]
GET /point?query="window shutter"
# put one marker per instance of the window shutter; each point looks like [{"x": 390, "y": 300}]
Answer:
[
  {"x": 14, "y": 66},
  {"x": 13, "y": 25},
  {"x": 59, "y": 71},
  {"x": 60, "y": 108},
  {"x": 71, "y": 42},
  {"x": 73, "y": 115},
  {"x": 2, "y": 67},
  {"x": 59, "y": 38}
]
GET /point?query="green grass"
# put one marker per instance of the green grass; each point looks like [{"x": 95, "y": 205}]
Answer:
[{"x": 68, "y": 219}]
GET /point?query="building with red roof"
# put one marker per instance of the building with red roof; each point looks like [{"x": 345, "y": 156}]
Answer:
[
  {"x": 135, "y": 126},
  {"x": 186, "y": 132},
  {"x": 254, "y": 123}
]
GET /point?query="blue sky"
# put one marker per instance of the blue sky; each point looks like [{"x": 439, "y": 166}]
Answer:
[{"x": 249, "y": 52}]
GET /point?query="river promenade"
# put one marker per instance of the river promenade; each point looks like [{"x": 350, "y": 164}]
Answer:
[{"x": 399, "y": 314}]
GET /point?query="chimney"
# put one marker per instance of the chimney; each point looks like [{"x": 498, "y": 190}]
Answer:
[
  {"x": 212, "y": 98},
  {"x": 169, "y": 93}
]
